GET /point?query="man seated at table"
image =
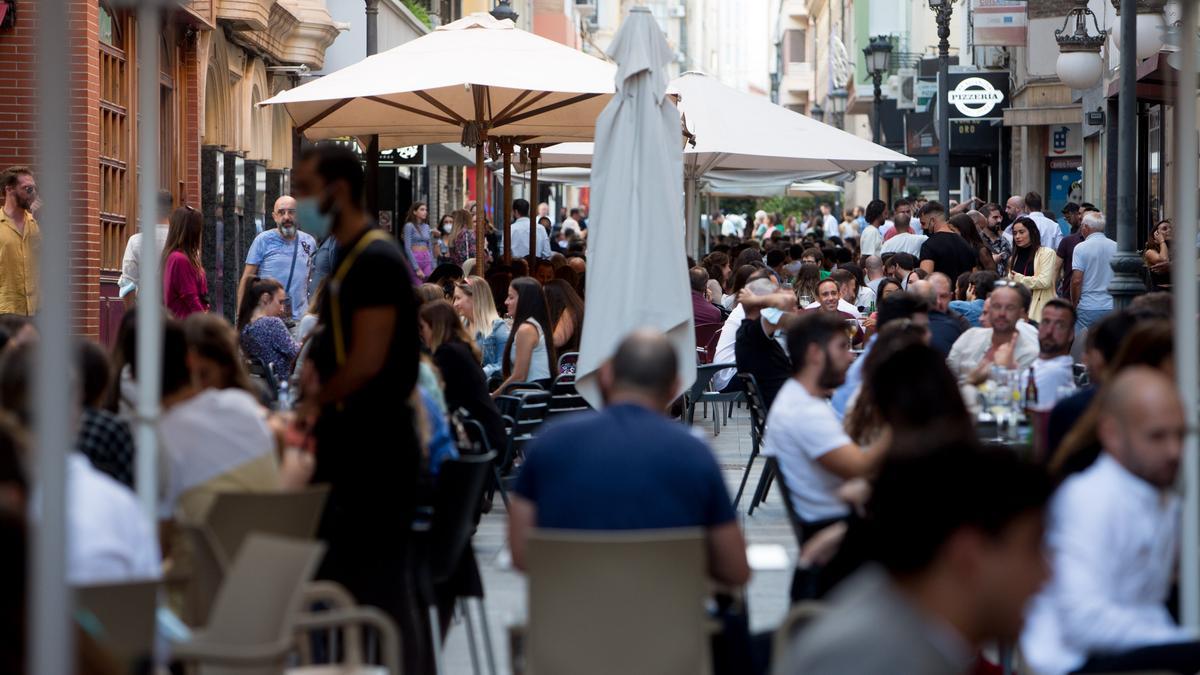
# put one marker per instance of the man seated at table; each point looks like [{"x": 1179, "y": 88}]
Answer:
[
  {"x": 1003, "y": 344},
  {"x": 804, "y": 434},
  {"x": 955, "y": 537},
  {"x": 704, "y": 312},
  {"x": 758, "y": 350},
  {"x": 1054, "y": 367},
  {"x": 829, "y": 300},
  {"x": 978, "y": 290},
  {"x": 945, "y": 326},
  {"x": 627, "y": 467},
  {"x": 726, "y": 381},
  {"x": 1113, "y": 543}
]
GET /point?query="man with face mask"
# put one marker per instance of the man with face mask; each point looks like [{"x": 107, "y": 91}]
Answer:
[
  {"x": 283, "y": 254},
  {"x": 804, "y": 434},
  {"x": 20, "y": 242},
  {"x": 357, "y": 384}
]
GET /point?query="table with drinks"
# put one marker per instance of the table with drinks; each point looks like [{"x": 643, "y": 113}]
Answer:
[{"x": 1013, "y": 413}]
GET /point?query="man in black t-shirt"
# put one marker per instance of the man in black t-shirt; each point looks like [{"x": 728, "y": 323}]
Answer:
[
  {"x": 357, "y": 383},
  {"x": 945, "y": 251}
]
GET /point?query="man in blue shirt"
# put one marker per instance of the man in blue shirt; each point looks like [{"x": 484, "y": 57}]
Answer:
[
  {"x": 895, "y": 306},
  {"x": 628, "y": 467},
  {"x": 282, "y": 253}
]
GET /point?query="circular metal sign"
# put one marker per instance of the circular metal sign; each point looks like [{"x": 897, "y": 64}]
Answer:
[{"x": 975, "y": 97}]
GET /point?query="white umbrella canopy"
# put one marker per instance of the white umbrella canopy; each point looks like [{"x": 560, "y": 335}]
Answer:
[
  {"x": 733, "y": 129},
  {"x": 637, "y": 272},
  {"x": 471, "y": 80},
  {"x": 428, "y": 90}
]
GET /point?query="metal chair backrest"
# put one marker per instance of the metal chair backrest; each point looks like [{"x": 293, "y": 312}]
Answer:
[
  {"x": 617, "y": 602},
  {"x": 234, "y": 515},
  {"x": 126, "y": 614},
  {"x": 704, "y": 376},
  {"x": 476, "y": 434},
  {"x": 564, "y": 398},
  {"x": 531, "y": 411},
  {"x": 758, "y": 407},
  {"x": 455, "y": 504},
  {"x": 567, "y": 358},
  {"x": 260, "y": 596}
]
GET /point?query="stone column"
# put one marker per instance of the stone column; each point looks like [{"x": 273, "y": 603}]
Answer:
[
  {"x": 231, "y": 244},
  {"x": 212, "y": 207}
]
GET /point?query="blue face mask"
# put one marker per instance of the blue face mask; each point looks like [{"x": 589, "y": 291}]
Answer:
[{"x": 311, "y": 219}]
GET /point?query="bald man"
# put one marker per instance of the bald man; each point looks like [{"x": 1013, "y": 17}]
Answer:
[
  {"x": 282, "y": 253},
  {"x": 1113, "y": 541},
  {"x": 628, "y": 467},
  {"x": 945, "y": 326}
]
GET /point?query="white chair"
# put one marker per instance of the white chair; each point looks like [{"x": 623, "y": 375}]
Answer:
[
  {"x": 254, "y": 615},
  {"x": 617, "y": 602}
]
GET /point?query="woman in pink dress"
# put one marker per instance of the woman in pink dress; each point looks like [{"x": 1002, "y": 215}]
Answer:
[{"x": 185, "y": 288}]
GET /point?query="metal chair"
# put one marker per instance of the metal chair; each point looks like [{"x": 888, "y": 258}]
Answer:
[
  {"x": 700, "y": 393},
  {"x": 525, "y": 410},
  {"x": 564, "y": 398},
  {"x": 478, "y": 436},
  {"x": 758, "y": 425}
]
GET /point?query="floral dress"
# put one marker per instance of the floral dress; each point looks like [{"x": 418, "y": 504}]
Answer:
[
  {"x": 269, "y": 342},
  {"x": 1000, "y": 246},
  {"x": 463, "y": 246}
]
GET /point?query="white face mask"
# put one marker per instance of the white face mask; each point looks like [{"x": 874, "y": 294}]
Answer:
[{"x": 447, "y": 228}]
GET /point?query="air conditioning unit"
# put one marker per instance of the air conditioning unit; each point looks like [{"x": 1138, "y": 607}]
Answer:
[
  {"x": 585, "y": 7},
  {"x": 906, "y": 89}
]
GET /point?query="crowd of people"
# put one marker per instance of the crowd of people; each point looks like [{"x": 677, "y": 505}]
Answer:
[{"x": 875, "y": 345}]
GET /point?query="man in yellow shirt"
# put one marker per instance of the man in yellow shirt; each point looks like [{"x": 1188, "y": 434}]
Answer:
[{"x": 20, "y": 243}]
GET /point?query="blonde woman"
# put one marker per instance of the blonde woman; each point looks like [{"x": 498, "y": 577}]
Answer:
[{"x": 474, "y": 302}]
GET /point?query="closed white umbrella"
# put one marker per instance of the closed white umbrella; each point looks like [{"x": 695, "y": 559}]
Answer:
[
  {"x": 637, "y": 274},
  {"x": 473, "y": 80}
]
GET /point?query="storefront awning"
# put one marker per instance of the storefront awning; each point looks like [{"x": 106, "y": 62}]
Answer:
[
  {"x": 1156, "y": 80},
  {"x": 448, "y": 154}
]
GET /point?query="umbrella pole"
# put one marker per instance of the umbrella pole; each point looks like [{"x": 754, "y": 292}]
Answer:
[
  {"x": 480, "y": 234},
  {"x": 691, "y": 236},
  {"x": 535, "y": 153},
  {"x": 506, "y": 147}
]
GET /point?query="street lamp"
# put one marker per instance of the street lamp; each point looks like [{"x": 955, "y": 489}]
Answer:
[
  {"x": 504, "y": 11},
  {"x": 817, "y": 112},
  {"x": 1079, "y": 65},
  {"x": 942, "y": 10},
  {"x": 1149, "y": 28},
  {"x": 878, "y": 56},
  {"x": 837, "y": 106}
]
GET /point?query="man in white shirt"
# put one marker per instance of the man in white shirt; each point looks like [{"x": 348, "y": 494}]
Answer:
[
  {"x": 978, "y": 349},
  {"x": 727, "y": 343},
  {"x": 872, "y": 239},
  {"x": 127, "y": 285},
  {"x": 1049, "y": 229},
  {"x": 1113, "y": 541},
  {"x": 828, "y": 221},
  {"x": 1054, "y": 367},
  {"x": 520, "y": 233},
  {"x": 900, "y": 206},
  {"x": 904, "y": 241},
  {"x": 814, "y": 454},
  {"x": 1091, "y": 271}
]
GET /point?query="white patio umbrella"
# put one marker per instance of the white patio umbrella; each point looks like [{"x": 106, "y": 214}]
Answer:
[
  {"x": 637, "y": 268},
  {"x": 731, "y": 129},
  {"x": 474, "y": 80}
]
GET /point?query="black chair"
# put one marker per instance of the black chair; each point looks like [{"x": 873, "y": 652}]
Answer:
[
  {"x": 758, "y": 425},
  {"x": 564, "y": 398},
  {"x": 452, "y": 568},
  {"x": 700, "y": 393},
  {"x": 478, "y": 438},
  {"x": 525, "y": 410}
]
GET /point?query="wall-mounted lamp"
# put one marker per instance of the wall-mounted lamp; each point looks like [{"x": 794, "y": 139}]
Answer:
[{"x": 8, "y": 13}]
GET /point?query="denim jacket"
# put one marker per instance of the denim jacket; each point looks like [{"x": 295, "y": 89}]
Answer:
[{"x": 492, "y": 347}]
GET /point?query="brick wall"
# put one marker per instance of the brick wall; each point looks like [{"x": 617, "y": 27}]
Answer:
[
  {"x": 190, "y": 134},
  {"x": 18, "y": 138}
]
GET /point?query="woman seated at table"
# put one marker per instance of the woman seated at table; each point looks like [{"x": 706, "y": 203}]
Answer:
[
  {"x": 474, "y": 302},
  {"x": 566, "y": 315},
  {"x": 1033, "y": 265},
  {"x": 263, "y": 334},
  {"x": 458, "y": 359},
  {"x": 528, "y": 356}
]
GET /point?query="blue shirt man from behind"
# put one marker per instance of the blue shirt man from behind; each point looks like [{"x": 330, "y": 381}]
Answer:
[{"x": 628, "y": 467}]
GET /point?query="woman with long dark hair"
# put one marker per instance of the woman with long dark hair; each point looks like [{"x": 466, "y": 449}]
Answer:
[
  {"x": 418, "y": 240},
  {"x": 566, "y": 315},
  {"x": 185, "y": 286},
  {"x": 458, "y": 359},
  {"x": 263, "y": 334},
  {"x": 1033, "y": 265},
  {"x": 969, "y": 231},
  {"x": 1158, "y": 256},
  {"x": 528, "y": 356}
]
